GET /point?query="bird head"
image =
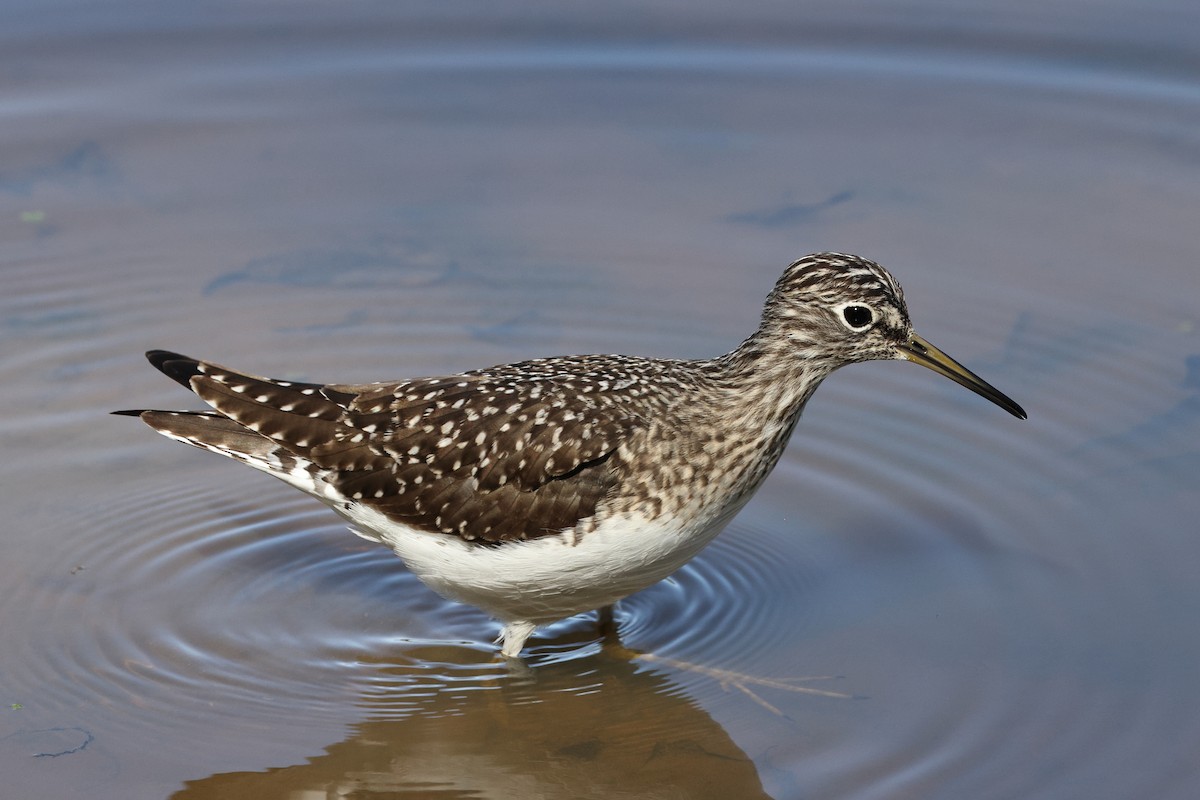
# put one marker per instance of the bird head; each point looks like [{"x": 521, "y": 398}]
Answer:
[{"x": 838, "y": 309}]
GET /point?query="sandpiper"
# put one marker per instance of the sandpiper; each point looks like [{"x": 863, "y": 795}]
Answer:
[{"x": 551, "y": 487}]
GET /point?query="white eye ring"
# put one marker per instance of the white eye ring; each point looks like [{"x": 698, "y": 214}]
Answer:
[{"x": 856, "y": 316}]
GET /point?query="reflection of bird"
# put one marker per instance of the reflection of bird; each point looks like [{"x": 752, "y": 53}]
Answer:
[
  {"x": 546, "y": 488},
  {"x": 597, "y": 727}
]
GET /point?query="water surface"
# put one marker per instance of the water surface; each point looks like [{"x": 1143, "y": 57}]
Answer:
[{"x": 369, "y": 192}]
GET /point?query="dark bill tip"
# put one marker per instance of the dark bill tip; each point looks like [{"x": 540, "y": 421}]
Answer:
[{"x": 919, "y": 351}]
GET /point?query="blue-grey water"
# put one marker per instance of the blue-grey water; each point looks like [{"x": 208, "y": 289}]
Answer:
[{"x": 362, "y": 191}]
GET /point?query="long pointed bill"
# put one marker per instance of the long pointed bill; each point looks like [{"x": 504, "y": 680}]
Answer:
[{"x": 919, "y": 351}]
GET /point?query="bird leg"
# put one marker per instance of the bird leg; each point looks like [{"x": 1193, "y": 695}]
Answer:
[
  {"x": 606, "y": 622},
  {"x": 512, "y": 637},
  {"x": 742, "y": 682},
  {"x": 726, "y": 678}
]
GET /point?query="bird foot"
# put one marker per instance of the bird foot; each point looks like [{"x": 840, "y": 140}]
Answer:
[{"x": 731, "y": 679}]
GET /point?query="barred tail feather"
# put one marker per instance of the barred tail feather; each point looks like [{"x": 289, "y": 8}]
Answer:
[{"x": 210, "y": 431}]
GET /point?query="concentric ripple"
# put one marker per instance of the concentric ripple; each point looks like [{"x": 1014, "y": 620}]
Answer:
[
  {"x": 269, "y": 605},
  {"x": 1010, "y": 603},
  {"x": 264, "y": 607}
]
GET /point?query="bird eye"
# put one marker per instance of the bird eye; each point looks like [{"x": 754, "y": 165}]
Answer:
[{"x": 857, "y": 316}]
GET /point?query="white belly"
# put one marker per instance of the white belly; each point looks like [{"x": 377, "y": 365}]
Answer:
[{"x": 544, "y": 579}]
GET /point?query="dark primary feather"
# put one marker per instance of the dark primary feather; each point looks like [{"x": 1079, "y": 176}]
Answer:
[{"x": 511, "y": 453}]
